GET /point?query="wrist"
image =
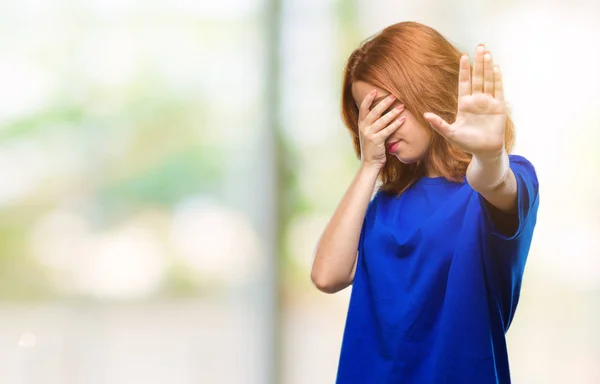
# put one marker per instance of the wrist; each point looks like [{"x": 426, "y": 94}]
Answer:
[
  {"x": 487, "y": 158},
  {"x": 488, "y": 172},
  {"x": 370, "y": 169}
]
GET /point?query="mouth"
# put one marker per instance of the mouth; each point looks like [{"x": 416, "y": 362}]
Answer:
[{"x": 392, "y": 146}]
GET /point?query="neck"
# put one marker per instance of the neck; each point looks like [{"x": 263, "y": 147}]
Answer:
[{"x": 429, "y": 172}]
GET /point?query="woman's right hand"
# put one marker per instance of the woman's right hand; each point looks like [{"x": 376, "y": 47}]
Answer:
[{"x": 374, "y": 129}]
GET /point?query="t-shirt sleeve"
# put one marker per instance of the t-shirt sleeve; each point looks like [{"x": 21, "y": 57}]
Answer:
[
  {"x": 507, "y": 238},
  {"x": 367, "y": 220},
  {"x": 510, "y": 226}
]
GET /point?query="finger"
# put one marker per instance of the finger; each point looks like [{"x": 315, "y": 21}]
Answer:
[
  {"x": 498, "y": 84},
  {"x": 384, "y": 120},
  {"x": 387, "y": 131},
  {"x": 379, "y": 108},
  {"x": 477, "y": 82},
  {"x": 488, "y": 74},
  {"x": 439, "y": 124},
  {"x": 363, "y": 111},
  {"x": 464, "y": 76}
]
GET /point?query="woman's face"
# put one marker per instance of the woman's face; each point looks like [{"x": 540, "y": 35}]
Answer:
[{"x": 412, "y": 136}]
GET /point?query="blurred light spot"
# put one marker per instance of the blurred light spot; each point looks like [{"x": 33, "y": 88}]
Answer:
[
  {"x": 122, "y": 66},
  {"x": 126, "y": 263},
  {"x": 27, "y": 340},
  {"x": 24, "y": 87},
  {"x": 215, "y": 241}
]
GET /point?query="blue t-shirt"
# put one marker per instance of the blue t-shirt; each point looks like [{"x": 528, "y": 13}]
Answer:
[{"x": 437, "y": 284}]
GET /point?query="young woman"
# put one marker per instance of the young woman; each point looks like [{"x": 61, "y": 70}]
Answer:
[{"x": 436, "y": 258}]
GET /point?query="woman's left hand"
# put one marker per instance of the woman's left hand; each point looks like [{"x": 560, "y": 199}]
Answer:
[{"x": 481, "y": 116}]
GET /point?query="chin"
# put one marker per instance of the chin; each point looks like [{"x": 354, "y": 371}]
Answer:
[{"x": 407, "y": 159}]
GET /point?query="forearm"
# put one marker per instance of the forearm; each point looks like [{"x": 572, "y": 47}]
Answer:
[
  {"x": 494, "y": 180},
  {"x": 336, "y": 252}
]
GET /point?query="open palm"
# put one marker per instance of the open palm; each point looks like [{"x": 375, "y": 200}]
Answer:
[{"x": 481, "y": 116}]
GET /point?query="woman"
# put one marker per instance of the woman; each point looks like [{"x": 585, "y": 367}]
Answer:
[{"x": 436, "y": 258}]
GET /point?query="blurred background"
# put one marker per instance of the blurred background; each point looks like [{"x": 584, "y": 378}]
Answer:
[{"x": 166, "y": 168}]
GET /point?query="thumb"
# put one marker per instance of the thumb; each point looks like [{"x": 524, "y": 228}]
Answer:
[{"x": 439, "y": 124}]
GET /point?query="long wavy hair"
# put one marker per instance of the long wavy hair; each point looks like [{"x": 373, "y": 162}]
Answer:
[{"x": 420, "y": 67}]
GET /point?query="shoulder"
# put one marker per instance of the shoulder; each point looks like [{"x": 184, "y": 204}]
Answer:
[
  {"x": 523, "y": 168},
  {"x": 379, "y": 198},
  {"x": 382, "y": 202},
  {"x": 521, "y": 161}
]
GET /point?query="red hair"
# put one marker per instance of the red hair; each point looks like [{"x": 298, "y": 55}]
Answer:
[{"x": 420, "y": 67}]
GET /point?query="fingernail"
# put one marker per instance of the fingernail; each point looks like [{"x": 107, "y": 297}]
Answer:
[
  {"x": 373, "y": 92},
  {"x": 400, "y": 107},
  {"x": 480, "y": 48}
]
